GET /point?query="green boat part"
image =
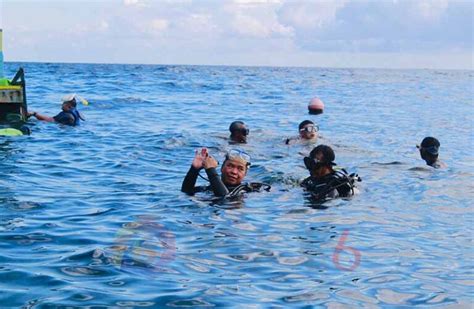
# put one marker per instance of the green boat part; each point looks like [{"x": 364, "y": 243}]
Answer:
[{"x": 10, "y": 132}]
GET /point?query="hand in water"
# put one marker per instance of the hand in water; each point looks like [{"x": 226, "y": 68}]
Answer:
[{"x": 199, "y": 158}]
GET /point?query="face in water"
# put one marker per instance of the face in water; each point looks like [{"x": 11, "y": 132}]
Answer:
[
  {"x": 320, "y": 169},
  {"x": 233, "y": 172},
  {"x": 309, "y": 132},
  {"x": 239, "y": 134},
  {"x": 67, "y": 106}
]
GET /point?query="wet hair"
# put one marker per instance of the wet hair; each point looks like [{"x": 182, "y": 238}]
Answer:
[
  {"x": 328, "y": 154},
  {"x": 234, "y": 126},
  {"x": 430, "y": 142},
  {"x": 429, "y": 146},
  {"x": 303, "y": 123}
]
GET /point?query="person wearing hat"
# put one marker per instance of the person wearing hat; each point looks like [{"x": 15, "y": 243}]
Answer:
[
  {"x": 238, "y": 132},
  {"x": 429, "y": 151},
  {"x": 233, "y": 171},
  {"x": 308, "y": 132},
  {"x": 68, "y": 116},
  {"x": 324, "y": 181}
]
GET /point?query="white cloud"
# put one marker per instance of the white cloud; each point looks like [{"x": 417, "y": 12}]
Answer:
[
  {"x": 310, "y": 14},
  {"x": 130, "y": 2},
  {"x": 249, "y": 26},
  {"x": 247, "y": 31},
  {"x": 379, "y": 26},
  {"x": 159, "y": 25},
  {"x": 256, "y": 2},
  {"x": 103, "y": 26},
  {"x": 254, "y": 19},
  {"x": 431, "y": 10},
  {"x": 199, "y": 24}
]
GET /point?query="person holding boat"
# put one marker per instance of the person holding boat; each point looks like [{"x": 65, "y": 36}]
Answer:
[
  {"x": 233, "y": 171},
  {"x": 68, "y": 116},
  {"x": 325, "y": 182}
]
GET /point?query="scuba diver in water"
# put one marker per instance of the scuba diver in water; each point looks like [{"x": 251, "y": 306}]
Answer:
[
  {"x": 325, "y": 182},
  {"x": 308, "y": 132},
  {"x": 68, "y": 116},
  {"x": 238, "y": 132},
  {"x": 234, "y": 169},
  {"x": 429, "y": 151}
]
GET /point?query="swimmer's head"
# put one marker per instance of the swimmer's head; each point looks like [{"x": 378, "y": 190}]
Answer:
[
  {"x": 308, "y": 130},
  {"x": 238, "y": 132},
  {"x": 69, "y": 102},
  {"x": 235, "y": 167},
  {"x": 320, "y": 161},
  {"x": 429, "y": 149}
]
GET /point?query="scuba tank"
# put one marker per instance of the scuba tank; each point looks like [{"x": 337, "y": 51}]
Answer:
[
  {"x": 339, "y": 183},
  {"x": 249, "y": 187}
]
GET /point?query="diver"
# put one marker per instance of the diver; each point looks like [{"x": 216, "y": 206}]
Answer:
[
  {"x": 325, "y": 182},
  {"x": 233, "y": 171},
  {"x": 308, "y": 132},
  {"x": 429, "y": 151},
  {"x": 238, "y": 132},
  {"x": 68, "y": 116}
]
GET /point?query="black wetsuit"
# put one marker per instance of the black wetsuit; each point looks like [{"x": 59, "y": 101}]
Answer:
[
  {"x": 217, "y": 186},
  {"x": 336, "y": 184}
]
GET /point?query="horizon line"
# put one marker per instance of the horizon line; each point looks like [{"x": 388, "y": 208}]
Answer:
[{"x": 248, "y": 66}]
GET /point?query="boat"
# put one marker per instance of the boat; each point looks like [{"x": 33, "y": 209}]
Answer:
[{"x": 13, "y": 106}]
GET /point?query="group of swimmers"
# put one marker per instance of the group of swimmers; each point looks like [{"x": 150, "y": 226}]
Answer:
[{"x": 326, "y": 180}]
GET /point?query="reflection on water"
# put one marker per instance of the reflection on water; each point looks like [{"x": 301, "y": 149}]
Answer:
[{"x": 93, "y": 216}]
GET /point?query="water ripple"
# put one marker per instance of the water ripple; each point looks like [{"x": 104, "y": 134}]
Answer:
[{"x": 93, "y": 217}]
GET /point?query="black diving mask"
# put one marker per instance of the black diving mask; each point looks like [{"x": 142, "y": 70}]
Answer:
[
  {"x": 312, "y": 164},
  {"x": 243, "y": 131},
  {"x": 310, "y": 129}
]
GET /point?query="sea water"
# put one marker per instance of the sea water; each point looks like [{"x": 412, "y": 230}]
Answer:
[{"x": 93, "y": 215}]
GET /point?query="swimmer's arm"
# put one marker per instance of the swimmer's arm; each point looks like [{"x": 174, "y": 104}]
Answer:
[
  {"x": 41, "y": 117},
  {"x": 291, "y": 140},
  {"x": 217, "y": 185},
  {"x": 189, "y": 181}
]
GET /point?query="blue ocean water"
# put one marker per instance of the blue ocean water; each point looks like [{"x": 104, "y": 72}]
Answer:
[{"x": 93, "y": 216}]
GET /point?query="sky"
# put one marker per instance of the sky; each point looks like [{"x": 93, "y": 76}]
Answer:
[{"x": 436, "y": 34}]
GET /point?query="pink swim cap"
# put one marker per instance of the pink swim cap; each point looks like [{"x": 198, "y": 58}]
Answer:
[{"x": 315, "y": 106}]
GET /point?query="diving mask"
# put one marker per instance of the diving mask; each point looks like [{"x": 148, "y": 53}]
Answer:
[
  {"x": 239, "y": 155},
  {"x": 310, "y": 129}
]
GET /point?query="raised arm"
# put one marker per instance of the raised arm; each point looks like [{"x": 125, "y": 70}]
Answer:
[
  {"x": 217, "y": 185},
  {"x": 189, "y": 181}
]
